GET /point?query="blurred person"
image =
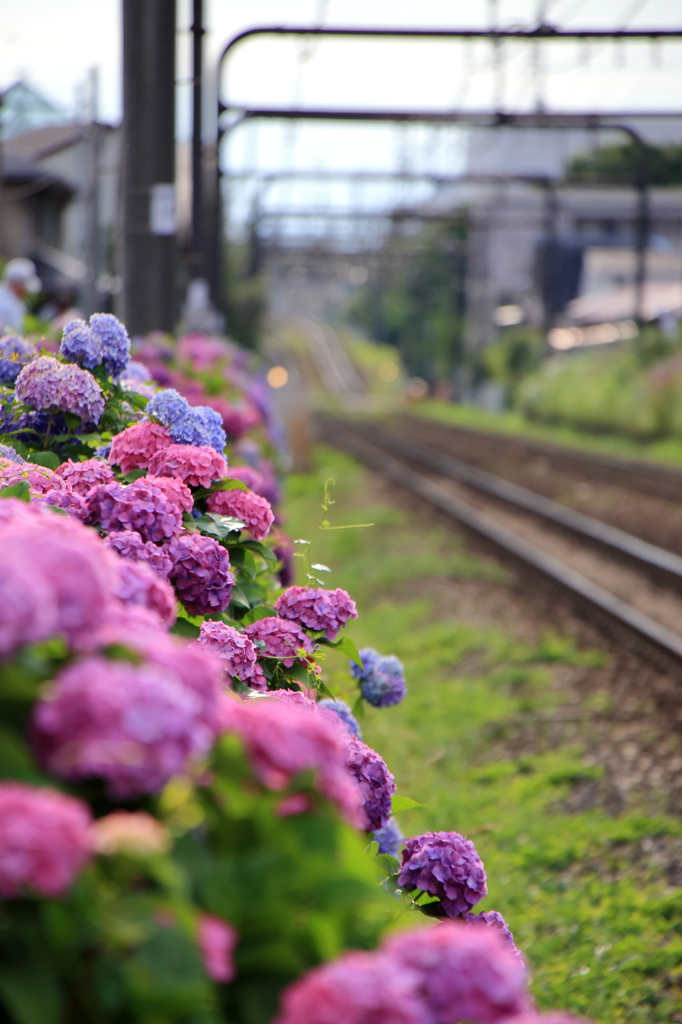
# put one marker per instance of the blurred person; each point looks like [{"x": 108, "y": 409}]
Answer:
[{"x": 19, "y": 279}]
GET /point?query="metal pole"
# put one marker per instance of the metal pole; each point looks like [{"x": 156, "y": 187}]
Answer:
[
  {"x": 91, "y": 195},
  {"x": 149, "y": 220},
  {"x": 197, "y": 256}
]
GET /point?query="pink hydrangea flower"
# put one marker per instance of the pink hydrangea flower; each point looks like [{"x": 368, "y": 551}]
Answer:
[
  {"x": 283, "y": 739},
  {"x": 132, "y": 725},
  {"x": 195, "y": 465},
  {"x": 175, "y": 490},
  {"x": 232, "y": 647},
  {"x": 44, "y": 839},
  {"x": 358, "y": 988},
  {"x": 464, "y": 973},
  {"x": 249, "y": 476},
  {"x": 216, "y": 940},
  {"x": 278, "y": 638},
  {"x": 135, "y": 447},
  {"x": 139, "y": 584},
  {"x": 201, "y": 573},
  {"x": 40, "y": 479},
  {"x": 81, "y": 476},
  {"x": 141, "y": 506},
  {"x": 28, "y": 607},
  {"x": 63, "y": 562},
  {"x": 255, "y": 512},
  {"x": 317, "y": 609},
  {"x": 129, "y": 544},
  {"x": 375, "y": 780},
  {"x": 196, "y": 668}
]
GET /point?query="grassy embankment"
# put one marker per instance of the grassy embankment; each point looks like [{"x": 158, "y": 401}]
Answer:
[
  {"x": 601, "y": 931},
  {"x": 668, "y": 450}
]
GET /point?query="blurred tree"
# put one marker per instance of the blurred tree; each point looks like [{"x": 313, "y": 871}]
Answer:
[
  {"x": 416, "y": 300},
  {"x": 617, "y": 165}
]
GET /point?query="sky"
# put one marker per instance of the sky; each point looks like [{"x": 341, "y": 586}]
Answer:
[{"x": 53, "y": 43}]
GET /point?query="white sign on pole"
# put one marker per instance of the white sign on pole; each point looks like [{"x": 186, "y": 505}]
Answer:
[{"x": 162, "y": 216}]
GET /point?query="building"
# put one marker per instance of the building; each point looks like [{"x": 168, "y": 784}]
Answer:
[{"x": 61, "y": 202}]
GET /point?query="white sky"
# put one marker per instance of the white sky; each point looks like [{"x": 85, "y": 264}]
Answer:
[{"x": 53, "y": 43}]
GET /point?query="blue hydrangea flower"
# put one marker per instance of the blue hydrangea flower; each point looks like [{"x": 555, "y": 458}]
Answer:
[
  {"x": 81, "y": 345},
  {"x": 113, "y": 337},
  {"x": 103, "y": 452},
  {"x": 6, "y": 452},
  {"x": 14, "y": 354},
  {"x": 40, "y": 423},
  {"x": 197, "y": 425},
  {"x": 381, "y": 678},
  {"x": 340, "y": 708},
  {"x": 212, "y": 423},
  {"x": 390, "y": 838},
  {"x": 175, "y": 413},
  {"x": 370, "y": 660}
]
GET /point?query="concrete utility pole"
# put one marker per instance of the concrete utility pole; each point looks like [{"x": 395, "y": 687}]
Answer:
[
  {"x": 149, "y": 218},
  {"x": 196, "y": 261}
]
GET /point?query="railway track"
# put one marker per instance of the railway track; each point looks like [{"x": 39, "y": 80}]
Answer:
[{"x": 627, "y": 585}]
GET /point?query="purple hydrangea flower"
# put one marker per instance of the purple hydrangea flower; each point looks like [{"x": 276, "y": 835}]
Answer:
[
  {"x": 80, "y": 345},
  {"x": 45, "y": 383},
  {"x": 69, "y": 501},
  {"x": 278, "y": 638},
  {"x": 201, "y": 573},
  {"x": 316, "y": 608},
  {"x": 341, "y": 709},
  {"x": 15, "y": 353},
  {"x": 492, "y": 919},
  {"x": 446, "y": 865},
  {"x": 129, "y": 544},
  {"x": 376, "y": 782},
  {"x": 138, "y": 584},
  {"x": 212, "y": 423},
  {"x": 114, "y": 341},
  {"x": 390, "y": 838},
  {"x": 233, "y": 647},
  {"x": 140, "y": 506}
]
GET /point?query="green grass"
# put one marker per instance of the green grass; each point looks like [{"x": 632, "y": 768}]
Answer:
[
  {"x": 513, "y": 422},
  {"x": 598, "y": 924}
]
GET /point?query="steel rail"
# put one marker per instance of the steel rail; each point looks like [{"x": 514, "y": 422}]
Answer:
[
  {"x": 649, "y": 556},
  {"x": 659, "y": 480},
  {"x": 656, "y": 640}
]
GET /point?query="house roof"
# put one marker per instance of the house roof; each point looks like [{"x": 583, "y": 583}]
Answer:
[{"x": 43, "y": 142}]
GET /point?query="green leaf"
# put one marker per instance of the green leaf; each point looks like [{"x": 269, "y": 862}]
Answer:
[
  {"x": 260, "y": 612},
  {"x": 346, "y": 646},
  {"x": 389, "y": 864},
  {"x": 239, "y": 598},
  {"x": 30, "y": 995},
  {"x": 48, "y": 459},
  {"x": 404, "y": 803},
  {"x": 359, "y": 709},
  {"x": 261, "y": 549},
  {"x": 227, "y": 484},
  {"x": 20, "y": 490},
  {"x": 134, "y": 475},
  {"x": 183, "y": 627}
]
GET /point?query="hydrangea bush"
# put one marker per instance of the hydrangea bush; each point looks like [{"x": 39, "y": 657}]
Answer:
[{"x": 191, "y": 827}]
